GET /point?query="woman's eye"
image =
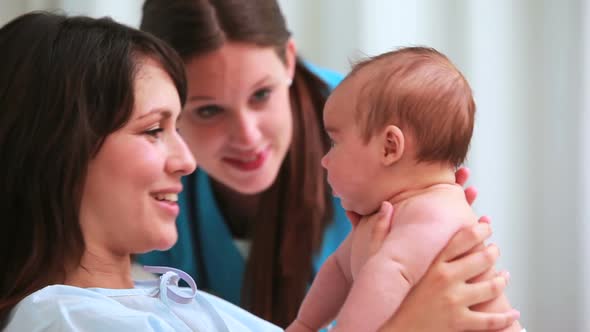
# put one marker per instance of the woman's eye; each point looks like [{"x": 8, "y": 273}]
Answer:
[
  {"x": 261, "y": 95},
  {"x": 208, "y": 111},
  {"x": 155, "y": 132}
]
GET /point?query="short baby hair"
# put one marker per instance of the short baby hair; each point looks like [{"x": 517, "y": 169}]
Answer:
[{"x": 419, "y": 90}]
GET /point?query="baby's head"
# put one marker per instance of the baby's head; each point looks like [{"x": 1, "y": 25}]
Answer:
[{"x": 411, "y": 105}]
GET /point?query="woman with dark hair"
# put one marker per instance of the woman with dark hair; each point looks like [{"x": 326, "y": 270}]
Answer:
[
  {"x": 259, "y": 202},
  {"x": 258, "y": 218},
  {"x": 92, "y": 163}
]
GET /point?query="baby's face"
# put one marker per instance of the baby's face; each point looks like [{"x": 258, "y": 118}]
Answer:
[{"x": 351, "y": 163}]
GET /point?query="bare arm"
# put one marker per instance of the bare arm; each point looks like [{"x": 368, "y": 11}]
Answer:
[
  {"x": 444, "y": 292},
  {"x": 341, "y": 258},
  {"x": 447, "y": 296},
  {"x": 327, "y": 293},
  {"x": 420, "y": 230}
]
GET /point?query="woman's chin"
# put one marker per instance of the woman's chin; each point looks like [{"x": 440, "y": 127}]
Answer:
[
  {"x": 166, "y": 241},
  {"x": 253, "y": 187}
]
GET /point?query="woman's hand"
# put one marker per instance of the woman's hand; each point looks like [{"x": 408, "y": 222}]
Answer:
[
  {"x": 442, "y": 299},
  {"x": 369, "y": 233},
  {"x": 461, "y": 177}
]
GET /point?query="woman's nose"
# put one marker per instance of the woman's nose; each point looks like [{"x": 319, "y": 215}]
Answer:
[
  {"x": 181, "y": 161},
  {"x": 246, "y": 130},
  {"x": 324, "y": 161}
]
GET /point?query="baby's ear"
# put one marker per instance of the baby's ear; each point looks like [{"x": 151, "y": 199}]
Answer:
[{"x": 393, "y": 145}]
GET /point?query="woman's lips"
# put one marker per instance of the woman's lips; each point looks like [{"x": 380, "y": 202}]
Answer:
[
  {"x": 251, "y": 164},
  {"x": 170, "y": 208}
]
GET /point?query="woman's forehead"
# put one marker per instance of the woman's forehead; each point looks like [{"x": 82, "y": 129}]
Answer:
[
  {"x": 232, "y": 68},
  {"x": 154, "y": 89}
]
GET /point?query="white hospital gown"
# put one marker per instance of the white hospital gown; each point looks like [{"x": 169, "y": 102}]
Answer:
[{"x": 154, "y": 305}]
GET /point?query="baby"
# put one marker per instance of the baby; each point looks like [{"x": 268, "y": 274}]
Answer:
[{"x": 400, "y": 124}]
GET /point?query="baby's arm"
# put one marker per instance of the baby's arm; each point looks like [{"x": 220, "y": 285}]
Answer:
[
  {"x": 327, "y": 293},
  {"x": 419, "y": 231}
]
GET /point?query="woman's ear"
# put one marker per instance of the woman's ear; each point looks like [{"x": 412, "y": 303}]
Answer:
[
  {"x": 393, "y": 145},
  {"x": 290, "y": 58}
]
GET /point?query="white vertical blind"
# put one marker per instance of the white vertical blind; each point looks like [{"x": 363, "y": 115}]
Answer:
[{"x": 583, "y": 191}]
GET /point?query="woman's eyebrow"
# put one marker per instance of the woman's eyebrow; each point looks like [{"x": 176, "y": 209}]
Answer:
[
  {"x": 199, "y": 97},
  {"x": 163, "y": 112},
  {"x": 265, "y": 79}
]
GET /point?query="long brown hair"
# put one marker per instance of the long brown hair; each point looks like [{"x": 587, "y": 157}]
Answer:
[
  {"x": 65, "y": 84},
  {"x": 298, "y": 206}
]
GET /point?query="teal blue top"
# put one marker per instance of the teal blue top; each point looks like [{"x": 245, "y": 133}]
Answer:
[{"x": 201, "y": 220}]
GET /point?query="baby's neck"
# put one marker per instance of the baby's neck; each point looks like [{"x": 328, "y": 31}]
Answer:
[{"x": 414, "y": 179}]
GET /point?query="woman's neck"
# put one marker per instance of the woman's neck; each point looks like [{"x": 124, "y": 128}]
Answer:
[
  {"x": 239, "y": 210},
  {"x": 99, "y": 269}
]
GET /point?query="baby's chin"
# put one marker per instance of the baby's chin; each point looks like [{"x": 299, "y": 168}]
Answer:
[
  {"x": 371, "y": 211},
  {"x": 363, "y": 210}
]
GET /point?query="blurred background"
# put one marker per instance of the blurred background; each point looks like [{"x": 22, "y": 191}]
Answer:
[{"x": 527, "y": 63}]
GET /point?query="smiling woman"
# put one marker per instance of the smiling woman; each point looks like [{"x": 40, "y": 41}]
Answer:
[
  {"x": 92, "y": 173},
  {"x": 92, "y": 164},
  {"x": 245, "y": 96},
  {"x": 259, "y": 201},
  {"x": 258, "y": 218},
  {"x": 135, "y": 176}
]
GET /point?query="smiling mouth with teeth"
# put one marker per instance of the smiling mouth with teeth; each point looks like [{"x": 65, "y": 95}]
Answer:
[{"x": 166, "y": 197}]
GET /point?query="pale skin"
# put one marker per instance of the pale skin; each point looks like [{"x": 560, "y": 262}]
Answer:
[
  {"x": 362, "y": 291},
  {"x": 238, "y": 110},
  {"x": 238, "y": 104},
  {"x": 444, "y": 291},
  {"x": 156, "y": 158},
  {"x": 129, "y": 198},
  {"x": 450, "y": 310}
]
